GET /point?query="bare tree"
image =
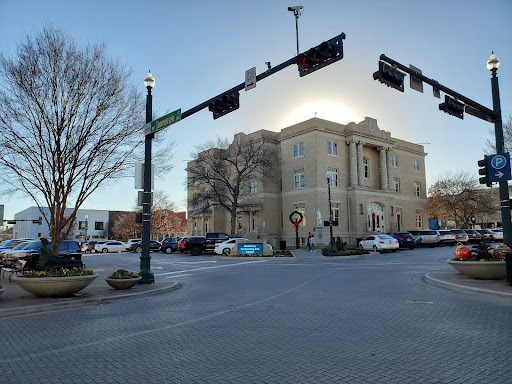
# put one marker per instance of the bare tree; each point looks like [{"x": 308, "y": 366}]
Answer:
[
  {"x": 459, "y": 196},
  {"x": 490, "y": 144},
  {"x": 221, "y": 170},
  {"x": 69, "y": 121},
  {"x": 125, "y": 226}
]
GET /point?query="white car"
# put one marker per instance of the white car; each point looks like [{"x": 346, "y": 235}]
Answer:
[
  {"x": 497, "y": 234},
  {"x": 379, "y": 243},
  {"x": 225, "y": 247},
  {"x": 111, "y": 246}
]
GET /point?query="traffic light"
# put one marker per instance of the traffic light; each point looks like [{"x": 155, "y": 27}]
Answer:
[
  {"x": 390, "y": 76},
  {"x": 318, "y": 57},
  {"x": 224, "y": 104},
  {"x": 484, "y": 171},
  {"x": 452, "y": 107}
]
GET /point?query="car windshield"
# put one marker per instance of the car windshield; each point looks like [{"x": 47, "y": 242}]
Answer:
[{"x": 21, "y": 246}]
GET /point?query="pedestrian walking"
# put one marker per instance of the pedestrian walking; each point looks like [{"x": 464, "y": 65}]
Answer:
[
  {"x": 309, "y": 241},
  {"x": 312, "y": 243}
]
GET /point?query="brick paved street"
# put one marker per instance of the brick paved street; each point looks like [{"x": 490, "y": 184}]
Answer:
[{"x": 304, "y": 320}]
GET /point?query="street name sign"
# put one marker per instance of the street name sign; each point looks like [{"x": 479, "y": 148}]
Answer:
[
  {"x": 499, "y": 167},
  {"x": 162, "y": 122}
]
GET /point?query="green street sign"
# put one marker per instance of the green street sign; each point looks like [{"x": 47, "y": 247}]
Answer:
[{"x": 162, "y": 122}]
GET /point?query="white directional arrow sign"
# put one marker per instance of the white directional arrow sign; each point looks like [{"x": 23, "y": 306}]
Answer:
[{"x": 499, "y": 175}]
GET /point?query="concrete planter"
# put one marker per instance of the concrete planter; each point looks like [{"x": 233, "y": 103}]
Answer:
[
  {"x": 54, "y": 286},
  {"x": 485, "y": 270},
  {"x": 122, "y": 283}
]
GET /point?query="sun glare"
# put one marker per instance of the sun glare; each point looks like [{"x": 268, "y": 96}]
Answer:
[{"x": 326, "y": 110}]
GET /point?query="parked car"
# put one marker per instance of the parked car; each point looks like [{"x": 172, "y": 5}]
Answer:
[
  {"x": 169, "y": 244},
  {"x": 88, "y": 247},
  {"x": 425, "y": 238},
  {"x": 9, "y": 244},
  {"x": 379, "y": 243},
  {"x": 486, "y": 234},
  {"x": 137, "y": 247},
  {"x": 445, "y": 236},
  {"x": 225, "y": 247},
  {"x": 405, "y": 239},
  {"x": 111, "y": 246},
  {"x": 460, "y": 235},
  {"x": 473, "y": 235},
  {"x": 198, "y": 244},
  {"x": 132, "y": 241},
  {"x": 497, "y": 234},
  {"x": 10, "y": 255}
]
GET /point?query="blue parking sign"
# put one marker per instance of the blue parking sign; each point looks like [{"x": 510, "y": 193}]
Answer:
[{"x": 499, "y": 167}]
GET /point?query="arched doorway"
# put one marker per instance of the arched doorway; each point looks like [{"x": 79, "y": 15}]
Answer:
[{"x": 376, "y": 218}]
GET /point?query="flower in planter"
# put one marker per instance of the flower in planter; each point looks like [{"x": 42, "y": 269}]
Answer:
[
  {"x": 64, "y": 272},
  {"x": 123, "y": 274}
]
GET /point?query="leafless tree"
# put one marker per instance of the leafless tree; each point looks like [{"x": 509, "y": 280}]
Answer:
[
  {"x": 459, "y": 196},
  {"x": 69, "y": 121},
  {"x": 490, "y": 144},
  {"x": 222, "y": 172}
]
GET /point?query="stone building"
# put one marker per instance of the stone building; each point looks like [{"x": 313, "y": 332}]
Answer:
[{"x": 377, "y": 184}]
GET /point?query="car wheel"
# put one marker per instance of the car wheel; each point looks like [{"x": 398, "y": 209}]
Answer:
[
  {"x": 226, "y": 251},
  {"x": 138, "y": 249},
  {"x": 93, "y": 251},
  {"x": 411, "y": 248},
  {"x": 393, "y": 250},
  {"x": 196, "y": 251},
  {"x": 375, "y": 248},
  {"x": 168, "y": 250},
  {"x": 104, "y": 250}
]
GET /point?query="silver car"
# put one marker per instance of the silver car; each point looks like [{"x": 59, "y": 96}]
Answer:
[{"x": 427, "y": 238}]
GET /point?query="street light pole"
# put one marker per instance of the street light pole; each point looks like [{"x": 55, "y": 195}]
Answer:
[
  {"x": 330, "y": 210},
  {"x": 492, "y": 65},
  {"x": 145, "y": 258}
]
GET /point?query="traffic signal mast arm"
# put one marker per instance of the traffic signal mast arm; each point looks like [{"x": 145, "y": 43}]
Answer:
[
  {"x": 238, "y": 88},
  {"x": 484, "y": 112}
]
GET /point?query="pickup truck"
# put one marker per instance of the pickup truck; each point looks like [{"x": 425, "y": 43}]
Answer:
[{"x": 198, "y": 244}]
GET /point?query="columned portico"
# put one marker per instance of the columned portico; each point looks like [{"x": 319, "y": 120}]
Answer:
[
  {"x": 353, "y": 163},
  {"x": 391, "y": 183}
]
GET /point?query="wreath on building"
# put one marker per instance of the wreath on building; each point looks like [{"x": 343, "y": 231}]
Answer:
[{"x": 296, "y": 218}]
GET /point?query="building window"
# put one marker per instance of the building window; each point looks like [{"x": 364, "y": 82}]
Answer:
[
  {"x": 397, "y": 184},
  {"x": 332, "y": 148},
  {"x": 415, "y": 165},
  {"x": 254, "y": 185},
  {"x": 335, "y": 208},
  {"x": 298, "y": 150},
  {"x": 301, "y": 207},
  {"x": 98, "y": 225},
  {"x": 394, "y": 161},
  {"x": 418, "y": 218},
  {"x": 333, "y": 177},
  {"x": 299, "y": 178},
  {"x": 417, "y": 189},
  {"x": 366, "y": 164}
]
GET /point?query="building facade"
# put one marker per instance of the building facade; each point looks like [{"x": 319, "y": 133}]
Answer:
[{"x": 377, "y": 184}]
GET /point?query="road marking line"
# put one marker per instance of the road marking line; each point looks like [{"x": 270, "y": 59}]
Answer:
[{"x": 216, "y": 266}]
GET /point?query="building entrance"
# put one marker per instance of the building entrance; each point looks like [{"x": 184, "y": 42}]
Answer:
[{"x": 376, "y": 217}]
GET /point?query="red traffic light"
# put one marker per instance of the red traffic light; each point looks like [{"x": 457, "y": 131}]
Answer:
[{"x": 318, "y": 57}]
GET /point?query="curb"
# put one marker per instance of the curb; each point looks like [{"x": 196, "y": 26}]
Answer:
[
  {"x": 463, "y": 288},
  {"x": 100, "y": 299}
]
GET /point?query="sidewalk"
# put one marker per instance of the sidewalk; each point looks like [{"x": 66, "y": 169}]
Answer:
[{"x": 15, "y": 300}]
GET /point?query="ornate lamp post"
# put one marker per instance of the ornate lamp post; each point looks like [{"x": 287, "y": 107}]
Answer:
[
  {"x": 492, "y": 65},
  {"x": 328, "y": 175},
  {"x": 145, "y": 258}
]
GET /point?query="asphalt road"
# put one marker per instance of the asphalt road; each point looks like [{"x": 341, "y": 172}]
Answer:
[{"x": 305, "y": 320}]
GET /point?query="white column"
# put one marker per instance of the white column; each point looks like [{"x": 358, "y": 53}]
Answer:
[
  {"x": 360, "y": 165},
  {"x": 383, "y": 169},
  {"x": 353, "y": 163},
  {"x": 391, "y": 182}
]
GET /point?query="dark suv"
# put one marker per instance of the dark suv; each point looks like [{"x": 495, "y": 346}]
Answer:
[{"x": 405, "y": 239}]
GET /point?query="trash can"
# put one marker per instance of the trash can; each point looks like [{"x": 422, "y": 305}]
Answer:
[
  {"x": 282, "y": 245},
  {"x": 508, "y": 266}
]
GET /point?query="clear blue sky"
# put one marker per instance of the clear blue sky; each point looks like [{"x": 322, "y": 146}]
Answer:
[{"x": 198, "y": 49}]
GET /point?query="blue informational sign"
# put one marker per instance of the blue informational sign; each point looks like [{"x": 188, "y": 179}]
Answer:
[
  {"x": 499, "y": 167},
  {"x": 250, "y": 249}
]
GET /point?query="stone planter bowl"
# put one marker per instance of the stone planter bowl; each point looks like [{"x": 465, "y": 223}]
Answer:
[
  {"x": 122, "y": 283},
  {"x": 485, "y": 270},
  {"x": 54, "y": 286}
]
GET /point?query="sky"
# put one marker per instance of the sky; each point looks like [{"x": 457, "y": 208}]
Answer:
[{"x": 199, "y": 49}]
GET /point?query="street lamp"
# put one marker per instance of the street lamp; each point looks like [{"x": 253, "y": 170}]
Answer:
[
  {"x": 492, "y": 65},
  {"x": 328, "y": 175},
  {"x": 145, "y": 258},
  {"x": 86, "y": 226},
  {"x": 297, "y": 11}
]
